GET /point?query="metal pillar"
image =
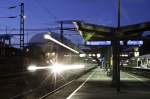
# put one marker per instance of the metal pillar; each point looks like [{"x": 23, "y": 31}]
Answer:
[
  {"x": 22, "y": 26},
  {"x": 116, "y": 65},
  {"x": 9, "y": 42},
  {"x": 116, "y": 54},
  {"x": 118, "y": 50},
  {"x": 114, "y": 76},
  {"x": 61, "y": 31},
  {"x": 119, "y": 14},
  {"x": 60, "y": 50},
  {"x": 1, "y": 46}
]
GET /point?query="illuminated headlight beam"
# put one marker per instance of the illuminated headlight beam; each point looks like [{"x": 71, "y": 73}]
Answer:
[
  {"x": 56, "y": 68},
  {"x": 34, "y": 67},
  {"x": 47, "y": 36}
]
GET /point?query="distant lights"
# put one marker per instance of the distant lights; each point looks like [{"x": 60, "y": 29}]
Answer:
[
  {"x": 27, "y": 49},
  {"x": 124, "y": 55},
  {"x": 53, "y": 53},
  {"x": 86, "y": 59},
  {"x": 82, "y": 55},
  {"x": 24, "y": 17},
  {"x": 95, "y": 55},
  {"x": 94, "y": 60},
  {"x": 136, "y": 54},
  {"x": 48, "y": 54},
  {"x": 90, "y": 55},
  {"x": 138, "y": 59},
  {"x": 98, "y": 55}
]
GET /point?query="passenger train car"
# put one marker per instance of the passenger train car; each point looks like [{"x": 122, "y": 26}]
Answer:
[
  {"x": 140, "y": 61},
  {"x": 44, "y": 65},
  {"x": 51, "y": 62},
  {"x": 138, "y": 65},
  {"x": 47, "y": 48}
]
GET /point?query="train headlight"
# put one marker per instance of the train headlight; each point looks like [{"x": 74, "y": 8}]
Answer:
[
  {"x": 32, "y": 68},
  {"x": 47, "y": 36},
  {"x": 57, "y": 68}
]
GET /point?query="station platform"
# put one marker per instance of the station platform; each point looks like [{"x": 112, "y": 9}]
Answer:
[{"x": 97, "y": 85}]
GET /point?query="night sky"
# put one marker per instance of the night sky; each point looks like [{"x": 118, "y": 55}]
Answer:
[{"x": 46, "y": 13}]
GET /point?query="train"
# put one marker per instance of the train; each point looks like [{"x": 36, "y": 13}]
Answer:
[
  {"x": 46, "y": 64},
  {"x": 48, "y": 49},
  {"x": 47, "y": 52},
  {"x": 142, "y": 62},
  {"x": 138, "y": 65}
]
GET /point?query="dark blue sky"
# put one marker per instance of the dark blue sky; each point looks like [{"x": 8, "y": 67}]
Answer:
[{"x": 45, "y": 13}]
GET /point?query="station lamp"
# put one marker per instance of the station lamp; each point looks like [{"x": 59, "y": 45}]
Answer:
[
  {"x": 82, "y": 55},
  {"x": 98, "y": 55}
]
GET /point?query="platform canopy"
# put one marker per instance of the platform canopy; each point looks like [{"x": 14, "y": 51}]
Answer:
[
  {"x": 89, "y": 31},
  {"x": 93, "y": 31}
]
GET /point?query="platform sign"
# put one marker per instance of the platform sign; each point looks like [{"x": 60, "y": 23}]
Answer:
[
  {"x": 98, "y": 43},
  {"x": 134, "y": 42},
  {"x": 109, "y": 43}
]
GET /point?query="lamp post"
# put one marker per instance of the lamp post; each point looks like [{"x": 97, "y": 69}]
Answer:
[
  {"x": 22, "y": 17},
  {"x": 61, "y": 31},
  {"x": 22, "y": 26},
  {"x": 118, "y": 14},
  {"x": 118, "y": 50}
]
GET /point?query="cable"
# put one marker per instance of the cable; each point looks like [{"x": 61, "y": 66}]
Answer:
[
  {"x": 34, "y": 29},
  {"x": 46, "y": 9}
]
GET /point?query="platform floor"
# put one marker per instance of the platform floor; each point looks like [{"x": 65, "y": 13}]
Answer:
[{"x": 97, "y": 85}]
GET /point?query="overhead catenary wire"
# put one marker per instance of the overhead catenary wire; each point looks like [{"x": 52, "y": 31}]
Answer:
[{"x": 48, "y": 11}]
